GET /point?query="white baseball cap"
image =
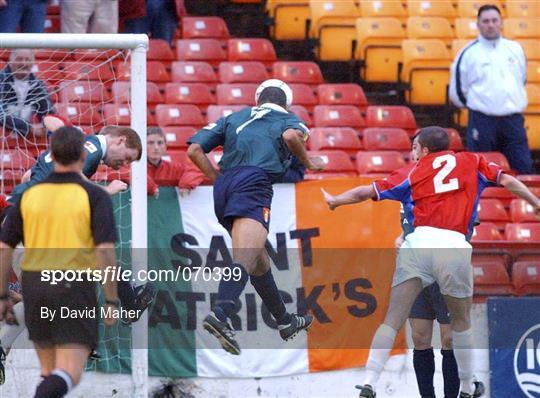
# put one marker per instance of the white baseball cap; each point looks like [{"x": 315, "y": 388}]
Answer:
[{"x": 275, "y": 83}]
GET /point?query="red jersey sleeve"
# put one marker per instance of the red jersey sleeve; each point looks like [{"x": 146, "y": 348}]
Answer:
[
  {"x": 192, "y": 177},
  {"x": 490, "y": 171},
  {"x": 394, "y": 187}
]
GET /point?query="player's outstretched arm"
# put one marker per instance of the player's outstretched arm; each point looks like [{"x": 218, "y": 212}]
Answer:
[
  {"x": 293, "y": 140},
  {"x": 199, "y": 158},
  {"x": 519, "y": 189},
  {"x": 352, "y": 196}
]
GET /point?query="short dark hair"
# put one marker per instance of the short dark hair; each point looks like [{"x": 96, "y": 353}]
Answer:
[
  {"x": 133, "y": 141},
  {"x": 487, "y": 7},
  {"x": 67, "y": 145},
  {"x": 434, "y": 138},
  {"x": 155, "y": 131},
  {"x": 273, "y": 95}
]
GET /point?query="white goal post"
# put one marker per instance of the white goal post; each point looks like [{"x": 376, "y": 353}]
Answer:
[{"x": 138, "y": 46}]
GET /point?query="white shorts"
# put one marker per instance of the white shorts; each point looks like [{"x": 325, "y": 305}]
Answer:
[{"x": 437, "y": 255}]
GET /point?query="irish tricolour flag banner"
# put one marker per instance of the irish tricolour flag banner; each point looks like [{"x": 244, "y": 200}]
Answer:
[{"x": 335, "y": 265}]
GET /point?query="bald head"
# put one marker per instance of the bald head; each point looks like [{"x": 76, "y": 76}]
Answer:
[{"x": 21, "y": 61}]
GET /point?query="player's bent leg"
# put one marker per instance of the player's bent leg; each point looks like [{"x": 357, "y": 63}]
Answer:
[
  {"x": 423, "y": 357},
  {"x": 46, "y": 356},
  {"x": 449, "y": 364}
]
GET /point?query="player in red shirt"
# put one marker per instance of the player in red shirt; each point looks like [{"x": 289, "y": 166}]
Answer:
[{"x": 440, "y": 194}]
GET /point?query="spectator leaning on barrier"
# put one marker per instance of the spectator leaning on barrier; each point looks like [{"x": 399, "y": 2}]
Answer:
[
  {"x": 488, "y": 77},
  {"x": 22, "y": 95},
  {"x": 29, "y": 15},
  {"x": 89, "y": 16}
]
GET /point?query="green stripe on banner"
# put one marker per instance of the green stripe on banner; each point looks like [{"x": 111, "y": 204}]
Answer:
[{"x": 171, "y": 342}]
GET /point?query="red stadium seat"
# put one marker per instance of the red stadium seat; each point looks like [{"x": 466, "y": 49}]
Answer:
[
  {"x": 155, "y": 72},
  {"x": 206, "y": 50},
  {"x": 242, "y": 72},
  {"x": 236, "y": 94},
  {"x": 214, "y": 112},
  {"x": 323, "y": 176},
  {"x": 120, "y": 114},
  {"x": 252, "y": 50},
  {"x": 302, "y": 113},
  {"x": 526, "y": 278},
  {"x": 193, "y": 72},
  {"x": 52, "y": 24},
  {"x": 504, "y": 195},
  {"x": 19, "y": 159},
  {"x": 342, "y": 94},
  {"x": 498, "y": 158},
  {"x": 179, "y": 115},
  {"x": 303, "y": 95},
  {"x": 492, "y": 210},
  {"x": 521, "y": 211},
  {"x": 342, "y": 138},
  {"x": 335, "y": 161},
  {"x": 84, "y": 91},
  {"x": 456, "y": 144},
  {"x": 376, "y": 162},
  {"x": 177, "y": 137},
  {"x": 54, "y": 7},
  {"x": 298, "y": 72},
  {"x": 531, "y": 180},
  {"x": 491, "y": 279},
  {"x": 79, "y": 113},
  {"x": 92, "y": 55},
  {"x": 82, "y": 71},
  {"x": 159, "y": 50},
  {"x": 524, "y": 232},
  {"x": 121, "y": 92},
  {"x": 338, "y": 116},
  {"x": 386, "y": 139},
  {"x": 204, "y": 27},
  {"x": 176, "y": 157},
  {"x": 486, "y": 231},
  {"x": 391, "y": 116},
  {"x": 189, "y": 93},
  {"x": 49, "y": 71},
  {"x": 501, "y": 257},
  {"x": 11, "y": 178}
]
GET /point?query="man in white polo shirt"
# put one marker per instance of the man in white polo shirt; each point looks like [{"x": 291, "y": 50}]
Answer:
[{"x": 488, "y": 77}]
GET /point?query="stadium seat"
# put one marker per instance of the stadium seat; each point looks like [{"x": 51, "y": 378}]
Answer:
[
  {"x": 177, "y": 137},
  {"x": 335, "y": 161},
  {"x": 325, "y": 176},
  {"x": 342, "y": 138},
  {"x": 491, "y": 279},
  {"x": 19, "y": 159},
  {"x": 260, "y": 50},
  {"x": 379, "y": 48},
  {"x": 531, "y": 180},
  {"x": 120, "y": 114},
  {"x": 179, "y": 115},
  {"x": 189, "y": 93},
  {"x": 176, "y": 156},
  {"x": 391, "y": 116},
  {"x": 54, "y": 7},
  {"x": 304, "y": 95},
  {"x": 430, "y": 28},
  {"x": 89, "y": 71},
  {"x": 469, "y": 8},
  {"x": 533, "y": 71},
  {"x": 204, "y": 28},
  {"x": 289, "y": 19},
  {"x": 342, "y": 94},
  {"x": 94, "y": 55},
  {"x": 531, "y": 48},
  {"x": 433, "y": 8},
  {"x": 48, "y": 71},
  {"x": 466, "y": 28},
  {"x": 155, "y": 72},
  {"x": 236, "y": 94},
  {"x": 79, "y": 113},
  {"x": 386, "y": 139},
  {"x": 214, "y": 112},
  {"x": 504, "y": 195},
  {"x": 532, "y": 116},
  {"x": 526, "y": 278},
  {"x": 337, "y": 116},
  {"x": 458, "y": 45},
  {"x": 456, "y": 144},
  {"x": 521, "y": 28},
  {"x": 194, "y": 72},
  {"x": 378, "y": 162},
  {"x": 52, "y": 24},
  {"x": 121, "y": 93},
  {"x": 159, "y": 50},
  {"x": 523, "y": 9},
  {"x": 333, "y": 23},
  {"x": 242, "y": 72},
  {"x": 498, "y": 158},
  {"x": 426, "y": 68},
  {"x": 84, "y": 91},
  {"x": 377, "y": 8},
  {"x": 302, "y": 113},
  {"x": 203, "y": 50},
  {"x": 523, "y": 232},
  {"x": 492, "y": 210},
  {"x": 298, "y": 72},
  {"x": 502, "y": 257},
  {"x": 521, "y": 211},
  {"x": 486, "y": 231}
]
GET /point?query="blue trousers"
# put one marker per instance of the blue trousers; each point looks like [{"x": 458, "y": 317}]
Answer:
[
  {"x": 29, "y": 14},
  {"x": 504, "y": 134},
  {"x": 161, "y": 19}
]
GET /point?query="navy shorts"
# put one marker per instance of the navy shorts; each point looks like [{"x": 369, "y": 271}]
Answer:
[
  {"x": 430, "y": 305},
  {"x": 243, "y": 192}
]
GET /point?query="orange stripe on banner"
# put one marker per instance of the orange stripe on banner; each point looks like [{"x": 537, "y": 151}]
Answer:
[{"x": 348, "y": 282}]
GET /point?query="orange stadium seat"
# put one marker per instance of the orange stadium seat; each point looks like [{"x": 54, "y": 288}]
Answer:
[
  {"x": 533, "y": 71},
  {"x": 342, "y": 138},
  {"x": 521, "y": 28},
  {"x": 391, "y": 116},
  {"x": 434, "y": 8},
  {"x": 377, "y": 8},
  {"x": 492, "y": 210},
  {"x": 532, "y": 116},
  {"x": 215, "y": 112},
  {"x": 236, "y": 94},
  {"x": 491, "y": 279},
  {"x": 302, "y": 113},
  {"x": 79, "y": 113},
  {"x": 84, "y": 91},
  {"x": 189, "y": 93},
  {"x": 298, "y": 72},
  {"x": 252, "y": 50},
  {"x": 426, "y": 68},
  {"x": 521, "y": 211},
  {"x": 469, "y": 8},
  {"x": 121, "y": 92},
  {"x": 335, "y": 161},
  {"x": 204, "y": 27},
  {"x": 155, "y": 72},
  {"x": 523, "y": 9},
  {"x": 498, "y": 158},
  {"x": 386, "y": 139},
  {"x": 159, "y": 50},
  {"x": 526, "y": 278},
  {"x": 458, "y": 45},
  {"x": 523, "y": 232},
  {"x": 289, "y": 19},
  {"x": 179, "y": 115},
  {"x": 379, "y": 48},
  {"x": 378, "y": 162},
  {"x": 531, "y": 48},
  {"x": 242, "y": 72},
  {"x": 486, "y": 231},
  {"x": 338, "y": 116},
  {"x": 19, "y": 159},
  {"x": 466, "y": 28},
  {"x": 177, "y": 137},
  {"x": 342, "y": 94},
  {"x": 430, "y": 28},
  {"x": 205, "y": 50},
  {"x": 193, "y": 72},
  {"x": 303, "y": 95}
]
